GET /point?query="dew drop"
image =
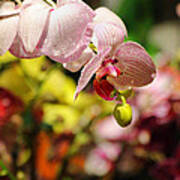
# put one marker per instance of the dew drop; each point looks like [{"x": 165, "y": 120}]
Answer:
[{"x": 153, "y": 75}]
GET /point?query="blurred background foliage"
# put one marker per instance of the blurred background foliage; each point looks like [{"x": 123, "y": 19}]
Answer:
[{"x": 45, "y": 135}]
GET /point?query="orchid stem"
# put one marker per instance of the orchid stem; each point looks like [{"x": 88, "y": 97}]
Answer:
[
  {"x": 51, "y": 3},
  {"x": 18, "y": 2},
  {"x": 123, "y": 100}
]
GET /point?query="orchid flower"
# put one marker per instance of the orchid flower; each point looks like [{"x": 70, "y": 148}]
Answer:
[
  {"x": 9, "y": 17},
  {"x": 61, "y": 31},
  {"x": 117, "y": 64},
  {"x": 10, "y": 25}
]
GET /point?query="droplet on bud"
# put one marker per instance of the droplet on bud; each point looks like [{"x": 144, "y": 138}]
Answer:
[{"x": 123, "y": 114}]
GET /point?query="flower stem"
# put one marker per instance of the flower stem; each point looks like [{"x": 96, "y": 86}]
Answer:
[
  {"x": 18, "y": 2},
  {"x": 51, "y": 3},
  {"x": 6, "y": 169},
  {"x": 123, "y": 100}
]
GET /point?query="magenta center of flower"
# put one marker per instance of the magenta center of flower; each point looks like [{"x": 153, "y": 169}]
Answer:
[
  {"x": 101, "y": 85},
  {"x": 108, "y": 68}
]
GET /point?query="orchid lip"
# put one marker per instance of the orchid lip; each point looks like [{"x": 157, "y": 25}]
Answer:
[
  {"x": 108, "y": 69},
  {"x": 104, "y": 89}
]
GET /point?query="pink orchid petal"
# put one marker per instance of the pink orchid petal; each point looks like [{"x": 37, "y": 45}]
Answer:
[
  {"x": 69, "y": 32},
  {"x": 31, "y": 2},
  {"x": 7, "y": 5},
  {"x": 8, "y": 9},
  {"x": 18, "y": 50},
  {"x": 8, "y": 26},
  {"x": 136, "y": 65},
  {"x": 108, "y": 35},
  {"x": 63, "y": 2},
  {"x": 33, "y": 21},
  {"x": 104, "y": 15},
  {"x": 89, "y": 70},
  {"x": 76, "y": 65}
]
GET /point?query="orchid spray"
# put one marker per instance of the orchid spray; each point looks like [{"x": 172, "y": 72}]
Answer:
[{"x": 71, "y": 33}]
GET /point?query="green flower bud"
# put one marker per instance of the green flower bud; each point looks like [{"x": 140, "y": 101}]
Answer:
[{"x": 123, "y": 114}]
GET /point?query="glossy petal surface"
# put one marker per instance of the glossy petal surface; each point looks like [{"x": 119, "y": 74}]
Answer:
[
  {"x": 104, "y": 15},
  {"x": 136, "y": 65},
  {"x": 63, "y": 2},
  {"x": 8, "y": 9},
  {"x": 108, "y": 35},
  {"x": 90, "y": 69},
  {"x": 33, "y": 21},
  {"x": 75, "y": 66},
  {"x": 69, "y": 32},
  {"x": 18, "y": 50},
  {"x": 8, "y": 26}
]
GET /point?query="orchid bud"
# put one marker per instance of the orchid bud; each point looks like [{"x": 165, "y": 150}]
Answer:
[{"x": 123, "y": 114}]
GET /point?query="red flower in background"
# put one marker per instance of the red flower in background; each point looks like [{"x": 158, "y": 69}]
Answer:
[{"x": 9, "y": 105}]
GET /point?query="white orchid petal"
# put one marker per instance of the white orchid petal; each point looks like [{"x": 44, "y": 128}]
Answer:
[
  {"x": 69, "y": 32},
  {"x": 90, "y": 69},
  {"x": 8, "y": 27},
  {"x": 108, "y": 35},
  {"x": 76, "y": 65},
  {"x": 18, "y": 50},
  {"x": 33, "y": 21},
  {"x": 104, "y": 15}
]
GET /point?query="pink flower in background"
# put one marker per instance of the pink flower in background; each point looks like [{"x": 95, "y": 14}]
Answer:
[
  {"x": 116, "y": 64},
  {"x": 109, "y": 129},
  {"x": 61, "y": 32},
  {"x": 156, "y": 99},
  {"x": 100, "y": 159}
]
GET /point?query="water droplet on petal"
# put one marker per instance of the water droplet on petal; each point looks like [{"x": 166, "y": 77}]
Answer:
[{"x": 153, "y": 75}]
